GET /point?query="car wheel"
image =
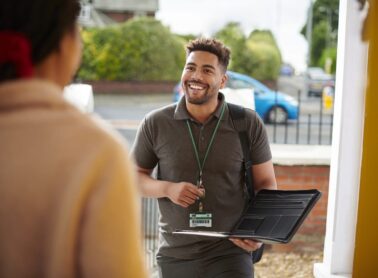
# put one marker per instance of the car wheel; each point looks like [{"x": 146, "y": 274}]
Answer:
[{"x": 277, "y": 114}]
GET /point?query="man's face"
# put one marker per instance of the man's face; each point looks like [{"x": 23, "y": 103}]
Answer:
[{"x": 202, "y": 77}]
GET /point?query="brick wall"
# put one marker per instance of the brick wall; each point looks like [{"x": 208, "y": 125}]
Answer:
[
  {"x": 119, "y": 16},
  {"x": 310, "y": 236}
]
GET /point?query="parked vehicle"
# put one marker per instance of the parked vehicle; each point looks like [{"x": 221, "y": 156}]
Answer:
[
  {"x": 317, "y": 79},
  {"x": 270, "y": 105},
  {"x": 81, "y": 96},
  {"x": 286, "y": 70}
]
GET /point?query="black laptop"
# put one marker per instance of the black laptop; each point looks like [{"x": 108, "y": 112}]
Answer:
[{"x": 273, "y": 216}]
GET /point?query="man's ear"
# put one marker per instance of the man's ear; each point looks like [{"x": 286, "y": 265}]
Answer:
[{"x": 224, "y": 80}]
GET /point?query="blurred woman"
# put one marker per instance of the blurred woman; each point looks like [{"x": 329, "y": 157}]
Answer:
[{"x": 68, "y": 206}]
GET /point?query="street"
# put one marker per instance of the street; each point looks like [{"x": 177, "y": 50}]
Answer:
[{"x": 125, "y": 112}]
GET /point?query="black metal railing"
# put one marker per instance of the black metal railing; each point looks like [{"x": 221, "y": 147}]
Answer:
[
  {"x": 313, "y": 126},
  {"x": 150, "y": 219}
]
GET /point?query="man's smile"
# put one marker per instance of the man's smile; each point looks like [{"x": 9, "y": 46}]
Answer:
[{"x": 195, "y": 86}]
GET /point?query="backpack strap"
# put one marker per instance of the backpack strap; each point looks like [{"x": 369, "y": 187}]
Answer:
[{"x": 238, "y": 118}]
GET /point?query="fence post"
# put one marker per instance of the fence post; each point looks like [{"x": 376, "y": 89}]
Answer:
[
  {"x": 275, "y": 118},
  {"x": 308, "y": 129},
  {"x": 299, "y": 115},
  {"x": 320, "y": 119},
  {"x": 331, "y": 128}
]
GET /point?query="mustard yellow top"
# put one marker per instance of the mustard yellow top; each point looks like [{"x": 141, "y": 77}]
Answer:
[{"x": 68, "y": 206}]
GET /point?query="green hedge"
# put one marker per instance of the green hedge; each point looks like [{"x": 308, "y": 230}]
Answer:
[{"x": 141, "y": 49}]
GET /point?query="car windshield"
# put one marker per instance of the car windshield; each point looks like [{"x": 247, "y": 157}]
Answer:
[
  {"x": 315, "y": 71},
  {"x": 238, "y": 84},
  {"x": 244, "y": 82},
  {"x": 318, "y": 73}
]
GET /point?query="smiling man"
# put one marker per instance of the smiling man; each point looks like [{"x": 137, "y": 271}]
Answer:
[{"x": 200, "y": 176}]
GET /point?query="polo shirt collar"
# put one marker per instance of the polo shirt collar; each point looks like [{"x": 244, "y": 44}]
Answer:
[{"x": 181, "y": 113}]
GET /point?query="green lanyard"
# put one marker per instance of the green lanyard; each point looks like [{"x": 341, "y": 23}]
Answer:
[{"x": 201, "y": 165}]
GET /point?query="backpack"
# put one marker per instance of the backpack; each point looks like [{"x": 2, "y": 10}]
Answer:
[{"x": 238, "y": 118}]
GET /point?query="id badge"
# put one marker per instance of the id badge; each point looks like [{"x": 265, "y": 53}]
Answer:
[{"x": 200, "y": 219}]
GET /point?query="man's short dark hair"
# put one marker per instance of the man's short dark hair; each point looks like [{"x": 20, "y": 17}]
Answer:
[{"x": 213, "y": 46}]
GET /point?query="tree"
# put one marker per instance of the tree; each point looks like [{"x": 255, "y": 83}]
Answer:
[
  {"x": 324, "y": 33},
  {"x": 258, "y": 55},
  {"x": 232, "y": 36},
  {"x": 142, "y": 49},
  {"x": 319, "y": 42},
  {"x": 267, "y": 55},
  {"x": 329, "y": 54},
  {"x": 326, "y": 10}
]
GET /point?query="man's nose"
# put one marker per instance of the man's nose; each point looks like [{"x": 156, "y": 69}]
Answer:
[{"x": 197, "y": 75}]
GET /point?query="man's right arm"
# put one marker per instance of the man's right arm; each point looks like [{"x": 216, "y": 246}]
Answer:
[{"x": 182, "y": 193}]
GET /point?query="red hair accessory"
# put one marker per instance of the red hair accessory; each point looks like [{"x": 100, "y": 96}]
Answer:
[{"x": 15, "y": 48}]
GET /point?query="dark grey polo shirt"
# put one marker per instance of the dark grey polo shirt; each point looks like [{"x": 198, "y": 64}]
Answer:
[{"x": 163, "y": 139}]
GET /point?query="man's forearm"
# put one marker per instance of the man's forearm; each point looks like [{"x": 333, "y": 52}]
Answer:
[
  {"x": 182, "y": 193},
  {"x": 150, "y": 187}
]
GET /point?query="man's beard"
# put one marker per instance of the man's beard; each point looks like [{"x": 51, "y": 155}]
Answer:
[{"x": 198, "y": 101}]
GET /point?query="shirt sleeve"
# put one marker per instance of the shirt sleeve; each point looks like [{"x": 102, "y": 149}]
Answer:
[
  {"x": 110, "y": 242},
  {"x": 143, "y": 148},
  {"x": 260, "y": 149}
]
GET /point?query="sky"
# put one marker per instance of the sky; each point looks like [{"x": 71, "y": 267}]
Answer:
[{"x": 285, "y": 18}]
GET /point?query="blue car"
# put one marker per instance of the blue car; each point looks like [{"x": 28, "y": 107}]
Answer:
[{"x": 270, "y": 105}]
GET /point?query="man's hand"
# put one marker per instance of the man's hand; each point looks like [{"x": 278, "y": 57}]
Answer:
[
  {"x": 246, "y": 244},
  {"x": 183, "y": 193}
]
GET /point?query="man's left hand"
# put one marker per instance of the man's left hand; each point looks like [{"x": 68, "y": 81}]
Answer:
[{"x": 246, "y": 244}]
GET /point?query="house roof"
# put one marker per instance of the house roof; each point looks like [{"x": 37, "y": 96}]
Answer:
[
  {"x": 90, "y": 17},
  {"x": 126, "y": 5}
]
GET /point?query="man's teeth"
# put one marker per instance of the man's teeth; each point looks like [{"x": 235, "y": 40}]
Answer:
[{"x": 196, "y": 87}]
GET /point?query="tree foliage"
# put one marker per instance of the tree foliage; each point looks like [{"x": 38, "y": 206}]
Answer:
[
  {"x": 329, "y": 55},
  {"x": 268, "y": 58},
  {"x": 319, "y": 41},
  {"x": 140, "y": 49},
  {"x": 258, "y": 55},
  {"x": 326, "y": 10},
  {"x": 232, "y": 36},
  {"x": 324, "y": 31}
]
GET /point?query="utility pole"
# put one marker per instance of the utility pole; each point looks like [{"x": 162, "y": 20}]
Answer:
[
  {"x": 329, "y": 43},
  {"x": 309, "y": 33}
]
